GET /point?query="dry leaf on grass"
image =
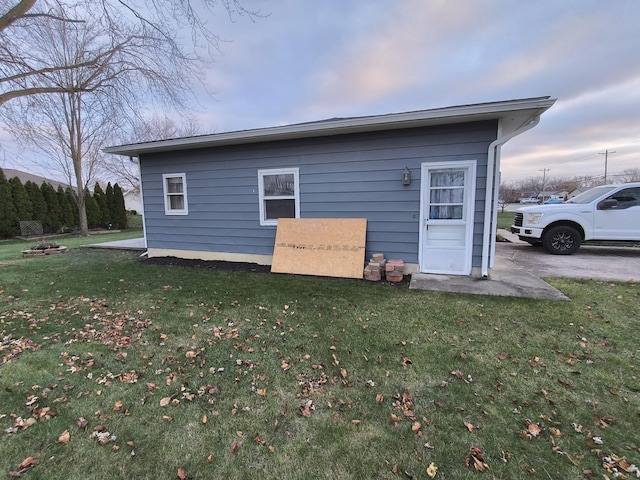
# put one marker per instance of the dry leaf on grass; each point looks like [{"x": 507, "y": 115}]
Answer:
[
  {"x": 26, "y": 464},
  {"x": 475, "y": 460},
  {"x": 64, "y": 437}
]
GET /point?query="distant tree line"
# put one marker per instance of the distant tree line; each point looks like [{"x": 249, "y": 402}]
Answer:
[
  {"x": 57, "y": 210},
  {"x": 513, "y": 191}
]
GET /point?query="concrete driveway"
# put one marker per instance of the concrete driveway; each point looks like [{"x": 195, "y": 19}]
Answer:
[
  {"x": 620, "y": 264},
  {"x": 520, "y": 267}
]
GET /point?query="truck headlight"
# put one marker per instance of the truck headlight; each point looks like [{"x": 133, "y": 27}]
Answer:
[{"x": 533, "y": 218}]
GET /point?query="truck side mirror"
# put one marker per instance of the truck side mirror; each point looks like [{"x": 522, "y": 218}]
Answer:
[{"x": 608, "y": 204}]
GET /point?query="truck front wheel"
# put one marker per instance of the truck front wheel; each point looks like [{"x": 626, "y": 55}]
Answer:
[{"x": 561, "y": 240}]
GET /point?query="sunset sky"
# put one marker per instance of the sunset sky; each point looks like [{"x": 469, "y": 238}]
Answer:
[{"x": 308, "y": 60}]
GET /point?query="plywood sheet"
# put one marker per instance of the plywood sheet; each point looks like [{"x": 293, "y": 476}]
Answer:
[{"x": 328, "y": 247}]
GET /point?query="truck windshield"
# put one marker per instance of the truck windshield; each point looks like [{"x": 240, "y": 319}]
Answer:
[{"x": 590, "y": 195}]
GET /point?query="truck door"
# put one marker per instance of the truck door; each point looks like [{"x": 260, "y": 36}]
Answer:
[{"x": 618, "y": 216}]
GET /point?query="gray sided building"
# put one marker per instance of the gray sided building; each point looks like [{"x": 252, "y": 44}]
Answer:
[{"x": 426, "y": 181}]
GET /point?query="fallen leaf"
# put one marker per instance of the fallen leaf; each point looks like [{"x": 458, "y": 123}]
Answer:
[
  {"x": 470, "y": 427},
  {"x": 64, "y": 437},
  {"x": 405, "y": 360},
  {"x": 306, "y": 408},
  {"x": 475, "y": 459},
  {"x": 182, "y": 473},
  {"x": 416, "y": 427},
  {"x": 534, "y": 429},
  {"x": 165, "y": 401},
  {"x": 234, "y": 447},
  {"x": 28, "y": 463}
]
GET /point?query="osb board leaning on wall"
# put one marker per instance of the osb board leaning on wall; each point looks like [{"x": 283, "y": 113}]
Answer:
[{"x": 328, "y": 247}]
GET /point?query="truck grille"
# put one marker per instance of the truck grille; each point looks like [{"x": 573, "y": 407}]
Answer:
[{"x": 517, "y": 220}]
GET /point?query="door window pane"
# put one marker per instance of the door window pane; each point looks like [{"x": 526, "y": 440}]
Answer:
[
  {"x": 447, "y": 195},
  {"x": 445, "y": 212},
  {"x": 451, "y": 177}
]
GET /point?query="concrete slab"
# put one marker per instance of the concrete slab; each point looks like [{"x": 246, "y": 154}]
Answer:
[
  {"x": 133, "y": 244},
  {"x": 506, "y": 279}
]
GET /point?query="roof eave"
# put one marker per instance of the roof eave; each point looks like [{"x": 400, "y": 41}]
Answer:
[{"x": 513, "y": 113}]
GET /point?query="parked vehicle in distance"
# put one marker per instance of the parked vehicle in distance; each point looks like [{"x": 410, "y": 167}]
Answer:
[
  {"x": 607, "y": 213},
  {"x": 529, "y": 200},
  {"x": 553, "y": 201}
]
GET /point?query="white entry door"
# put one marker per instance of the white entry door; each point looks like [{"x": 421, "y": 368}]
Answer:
[{"x": 446, "y": 234}]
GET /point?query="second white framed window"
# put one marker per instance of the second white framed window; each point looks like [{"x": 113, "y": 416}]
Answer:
[
  {"x": 279, "y": 194},
  {"x": 175, "y": 194}
]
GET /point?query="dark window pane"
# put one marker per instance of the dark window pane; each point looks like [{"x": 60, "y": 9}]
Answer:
[
  {"x": 275, "y": 209},
  {"x": 176, "y": 202}
]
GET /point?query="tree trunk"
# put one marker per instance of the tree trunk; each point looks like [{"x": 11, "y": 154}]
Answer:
[{"x": 82, "y": 210}]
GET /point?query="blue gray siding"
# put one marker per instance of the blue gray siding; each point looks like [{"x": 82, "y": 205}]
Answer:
[{"x": 345, "y": 176}]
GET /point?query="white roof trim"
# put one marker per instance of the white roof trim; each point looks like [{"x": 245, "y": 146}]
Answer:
[{"x": 513, "y": 113}]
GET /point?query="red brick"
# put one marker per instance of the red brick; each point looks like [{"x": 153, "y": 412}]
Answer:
[
  {"x": 373, "y": 276},
  {"x": 394, "y": 276},
  {"x": 395, "y": 266}
]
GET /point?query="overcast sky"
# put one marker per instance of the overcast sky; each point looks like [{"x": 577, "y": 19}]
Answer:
[{"x": 315, "y": 59}]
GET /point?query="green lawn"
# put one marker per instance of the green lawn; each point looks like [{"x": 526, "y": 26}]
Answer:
[
  {"x": 11, "y": 250},
  {"x": 116, "y": 368},
  {"x": 505, "y": 220}
]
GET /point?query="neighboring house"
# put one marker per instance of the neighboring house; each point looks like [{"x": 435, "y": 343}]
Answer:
[
  {"x": 576, "y": 192},
  {"x": 133, "y": 201},
  {"x": 426, "y": 181},
  {"x": 30, "y": 177}
]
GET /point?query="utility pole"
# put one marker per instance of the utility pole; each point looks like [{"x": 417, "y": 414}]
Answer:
[
  {"x": 606, "y": 154},
  {"x": 544, "y": 180}
]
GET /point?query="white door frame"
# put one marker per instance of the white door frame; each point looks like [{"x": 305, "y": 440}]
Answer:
[{"x": 468, "y": 211}]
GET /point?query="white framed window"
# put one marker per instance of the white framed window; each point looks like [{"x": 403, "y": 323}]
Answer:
[
  {"x": 175, "y": 193},
  {"x": 279, "y": 194}
]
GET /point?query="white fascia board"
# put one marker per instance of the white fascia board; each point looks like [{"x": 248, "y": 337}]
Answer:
[{"x": 512, "y": 113}]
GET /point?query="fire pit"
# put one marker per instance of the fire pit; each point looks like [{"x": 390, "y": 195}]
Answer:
[{"x": 44, "y": 248}]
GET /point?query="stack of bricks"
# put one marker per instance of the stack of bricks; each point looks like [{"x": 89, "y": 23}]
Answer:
[
  {"x": 375, "y": 268},
  {"x": 392, "y": 270}
]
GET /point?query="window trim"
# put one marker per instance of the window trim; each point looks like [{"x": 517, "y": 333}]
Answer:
[
  {"x": 261, "y": 197},
  {"x": 167, "y": 204}
]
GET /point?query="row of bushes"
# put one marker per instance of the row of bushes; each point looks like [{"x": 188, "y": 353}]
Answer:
[{"x": 57, "y": 210}]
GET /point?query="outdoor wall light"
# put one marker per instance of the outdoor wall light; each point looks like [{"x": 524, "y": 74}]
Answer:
[{"x": 406, "y": 177}]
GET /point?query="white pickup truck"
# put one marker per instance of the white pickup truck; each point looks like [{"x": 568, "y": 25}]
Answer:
[{"x": 608, "y": 213}]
